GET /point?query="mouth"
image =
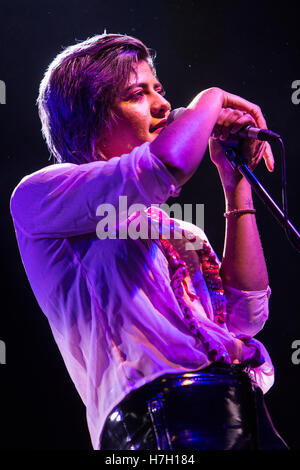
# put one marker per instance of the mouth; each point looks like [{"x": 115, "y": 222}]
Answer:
[{"x": 160, "y": 126}]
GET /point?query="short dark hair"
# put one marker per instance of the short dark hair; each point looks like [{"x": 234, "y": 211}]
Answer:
[{"x": 78, "y": 89}]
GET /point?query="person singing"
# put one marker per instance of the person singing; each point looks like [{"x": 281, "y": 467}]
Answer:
[{"x": 156, "y": 333}]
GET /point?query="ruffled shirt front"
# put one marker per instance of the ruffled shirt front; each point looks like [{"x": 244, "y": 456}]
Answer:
[{"x": 125, "y": 311}]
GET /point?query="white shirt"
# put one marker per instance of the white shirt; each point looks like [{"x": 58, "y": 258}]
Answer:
[{"x": 109, "y": 302}]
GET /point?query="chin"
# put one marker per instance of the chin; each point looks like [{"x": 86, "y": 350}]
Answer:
[{"x": 152, "y": 137}]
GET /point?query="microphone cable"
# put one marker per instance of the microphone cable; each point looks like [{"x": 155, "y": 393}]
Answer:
[{"x": 287, "y": 228}]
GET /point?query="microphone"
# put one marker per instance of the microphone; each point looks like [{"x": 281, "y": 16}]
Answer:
[{"x": 247, "y": 131}]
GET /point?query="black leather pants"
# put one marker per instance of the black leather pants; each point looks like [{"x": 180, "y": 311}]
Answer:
[{"x": 213, "y": 409}]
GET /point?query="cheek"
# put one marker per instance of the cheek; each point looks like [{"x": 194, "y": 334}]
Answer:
[{"x": 136, "y": 120}]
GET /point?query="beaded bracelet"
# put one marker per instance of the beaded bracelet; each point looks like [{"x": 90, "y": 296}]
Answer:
[{"x": 239, "y": 212}]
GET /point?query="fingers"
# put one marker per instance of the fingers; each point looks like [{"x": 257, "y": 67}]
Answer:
[
  {"x": 244, "y": 120},
  {"x": 229, "y": 122},
  {"x": 264, "y": 151},
  {"x": 269, "y": 158},
  {"x": 236, "y": 102},
  {"x": 259, "y": 151}
]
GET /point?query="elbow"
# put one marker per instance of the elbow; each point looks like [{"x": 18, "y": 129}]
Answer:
[
  {"x": 21, "y": 210},
  {"x": 175, "y": 164},
  {"x": 14, "y": 205},
  {"x": 182, "y": 175},
  {"x": 172, "y": 152}
]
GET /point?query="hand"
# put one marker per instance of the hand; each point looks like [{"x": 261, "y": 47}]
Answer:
[
  {"x": 238, "y": 103},
  {"x": 229, "y": 122}
]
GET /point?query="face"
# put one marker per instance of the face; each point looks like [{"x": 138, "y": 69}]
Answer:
[{"x": 141, "y": 111}]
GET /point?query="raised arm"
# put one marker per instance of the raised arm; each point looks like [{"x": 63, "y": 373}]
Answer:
[{"x": 182, "y": 145}]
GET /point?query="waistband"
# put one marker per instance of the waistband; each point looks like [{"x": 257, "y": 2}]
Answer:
[
  {"x": 211, "y": 371},
  {"x": 215, "y": 374}
]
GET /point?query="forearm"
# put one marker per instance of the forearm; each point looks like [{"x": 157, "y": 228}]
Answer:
[
  {"x": 243, "y": 264},
  {"x": 182, "y": 145}
]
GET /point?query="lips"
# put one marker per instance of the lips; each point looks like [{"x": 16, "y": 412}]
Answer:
[{"x": 159, "y": 126}]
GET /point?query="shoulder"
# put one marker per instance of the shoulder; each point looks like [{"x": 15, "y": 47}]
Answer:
[
  {"x": 35, "y": 183},
  {"x": 43, "y": 174}
]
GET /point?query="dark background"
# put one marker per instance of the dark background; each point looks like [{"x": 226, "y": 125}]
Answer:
[{"x": 248, "y": 48}]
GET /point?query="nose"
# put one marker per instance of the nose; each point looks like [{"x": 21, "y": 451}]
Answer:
[{"x": 159, "y": 106}]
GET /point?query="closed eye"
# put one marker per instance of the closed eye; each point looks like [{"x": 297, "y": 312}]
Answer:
[
  {"x": 161, "y": 91},
  {"x": 137, "y": 95}
]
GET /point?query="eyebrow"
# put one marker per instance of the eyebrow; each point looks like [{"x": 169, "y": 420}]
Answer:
[{"x": 141, "y": 85}]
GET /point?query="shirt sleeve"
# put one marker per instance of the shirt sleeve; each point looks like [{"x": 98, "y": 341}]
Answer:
[
  {"x": 62, "y": 200},
  {"x": 247, "y": 311}
]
